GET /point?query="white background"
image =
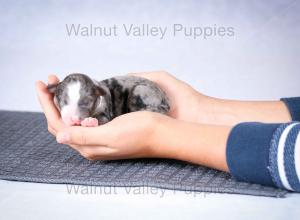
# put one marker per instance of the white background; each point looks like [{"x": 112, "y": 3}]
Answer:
[{"x": 260, "y": 62}]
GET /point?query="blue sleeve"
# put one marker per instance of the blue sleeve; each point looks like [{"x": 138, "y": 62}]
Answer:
[
  {"x": 267, "y": 154},
  {"x": 293, "y": 104}
]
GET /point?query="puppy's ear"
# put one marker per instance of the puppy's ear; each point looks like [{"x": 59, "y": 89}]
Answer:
[
  {"x": 99, "y": 91},
  {"x": 52, "y": 87},
  {"x": 99, "y": 88}
]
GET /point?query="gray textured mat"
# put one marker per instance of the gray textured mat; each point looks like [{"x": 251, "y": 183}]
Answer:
[{"x": 29, "y": 153}]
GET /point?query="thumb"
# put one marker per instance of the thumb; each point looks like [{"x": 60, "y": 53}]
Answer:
[
  {"x": 53, "y": 79},
  {"x": 84, "y": 136}
]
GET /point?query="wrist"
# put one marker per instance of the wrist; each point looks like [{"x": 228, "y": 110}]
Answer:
[
  {"x": 160, "y": 142},
  {"x": 235, "y": 112},
  {"x": 231, "y": 112},
  {"x": 191, "y": 142},
  {"x": 215, "y": 111},
  {"x": 204, "y": 108}
]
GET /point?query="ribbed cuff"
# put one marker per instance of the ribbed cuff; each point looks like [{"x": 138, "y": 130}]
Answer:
[
  {"x": 247, "y": 152},
  {"x": 293, "y": 104},
  {"x": 285, "y": 157}
]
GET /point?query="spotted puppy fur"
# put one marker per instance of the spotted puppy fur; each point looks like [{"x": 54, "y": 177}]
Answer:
[{"x": 109, "y": 98}]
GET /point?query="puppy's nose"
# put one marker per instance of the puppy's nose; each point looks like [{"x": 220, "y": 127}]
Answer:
[
  {"x": 69, "y": 115},
  {"x": 75, "y": 120}
]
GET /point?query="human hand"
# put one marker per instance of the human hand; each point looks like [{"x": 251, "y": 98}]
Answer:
[
  {"x": 127, "y": 136},
  {"x": 186, "y": 103},
  {"x": 53, "y": 116},
  {"x": 139, "y": 134}
]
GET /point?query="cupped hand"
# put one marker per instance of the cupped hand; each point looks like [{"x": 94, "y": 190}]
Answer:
[
  {"x": 186, "y": 103},
  {"x": 53, "y": 116},
  {"x": 127, "y": 136}
]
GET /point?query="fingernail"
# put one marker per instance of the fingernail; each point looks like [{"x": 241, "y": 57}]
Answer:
[{"x": 62, "y": 137}]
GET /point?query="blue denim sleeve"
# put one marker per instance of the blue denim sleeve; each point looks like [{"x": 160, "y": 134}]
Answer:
[{"x": 293, "y": 104}]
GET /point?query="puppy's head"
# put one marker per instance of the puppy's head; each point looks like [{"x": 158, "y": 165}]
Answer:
[{"x": 76, "y": 97}]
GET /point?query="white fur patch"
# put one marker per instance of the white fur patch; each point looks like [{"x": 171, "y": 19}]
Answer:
[
  {"x": 68, "y": 112},
  {"x": 74, "y": 93},
  {"x": 101, "y": 100}
]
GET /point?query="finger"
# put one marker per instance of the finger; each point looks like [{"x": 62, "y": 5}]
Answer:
[
  {"x": 168, "y": 83},
  {"x": 106, "y": 153},
  {"x": 53, "y": 79},
  {"x": 51, "y": 130},
  {"x": 87, "y": 153},
  {"x": 85, "y": 136},
  {"x": 160, "y": 77},
  {"x": 46, "y": 101},
  {"x": 148, "y": 75},
  {"x": 101, "y": 152},
  {"x": 97, "y": 152}
]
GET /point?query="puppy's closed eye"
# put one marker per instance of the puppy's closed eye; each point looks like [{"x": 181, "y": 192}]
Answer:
[{"x": 86, "y": 102}]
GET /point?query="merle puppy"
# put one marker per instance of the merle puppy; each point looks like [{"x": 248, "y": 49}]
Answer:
[{"x": 84, "y": 101}]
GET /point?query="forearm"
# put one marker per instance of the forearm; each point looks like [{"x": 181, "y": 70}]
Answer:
[
  {"x": 229, "y": 112},
  {"x": 195, "y": 143},
  {"x": 249, "y": 151}
]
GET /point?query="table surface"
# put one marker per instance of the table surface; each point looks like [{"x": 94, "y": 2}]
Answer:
[{"x": 23, "y": 200}]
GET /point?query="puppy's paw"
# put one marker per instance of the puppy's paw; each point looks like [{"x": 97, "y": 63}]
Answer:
[{"x": 89, "y": 122}]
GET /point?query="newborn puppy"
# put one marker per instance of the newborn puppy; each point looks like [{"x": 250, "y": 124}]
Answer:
[{"x": 84, "y": 101}]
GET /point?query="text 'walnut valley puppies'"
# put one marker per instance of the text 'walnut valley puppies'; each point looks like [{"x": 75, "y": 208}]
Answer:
[{"x": 87, "y": 102}]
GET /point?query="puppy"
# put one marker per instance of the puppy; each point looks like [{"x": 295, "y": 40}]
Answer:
[{"x": 87, "y": 102}]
